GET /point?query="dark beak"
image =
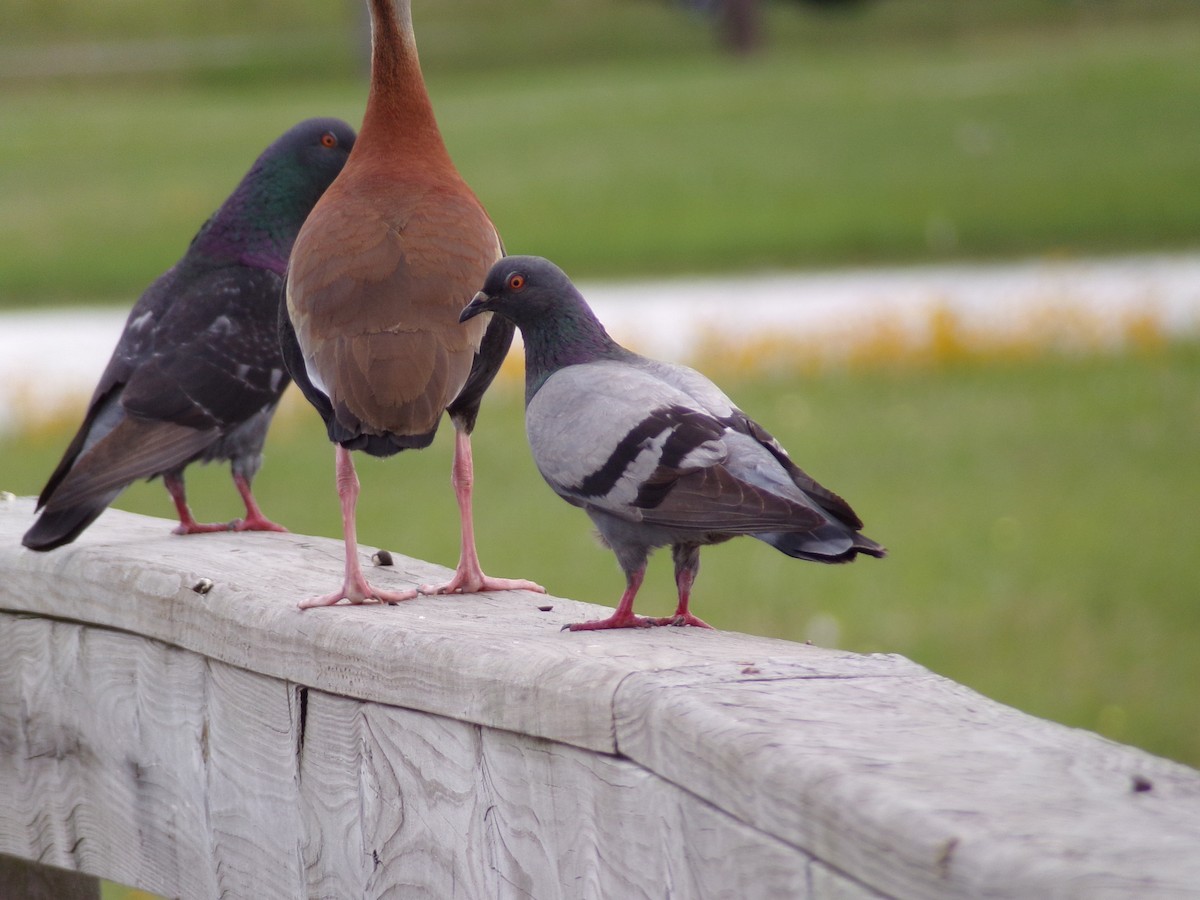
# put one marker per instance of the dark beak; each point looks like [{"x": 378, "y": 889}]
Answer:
[{"x": 477, "y": 305}]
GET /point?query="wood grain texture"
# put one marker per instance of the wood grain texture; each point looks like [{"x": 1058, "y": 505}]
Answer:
[
  {"x": 146, "y": 764},
  {"x": 228, "y": 743},
  {"x": 492, "y": 659},
  {"x": 917, "y": 785},
  {"x": 414, "y": 805},
  {"x": 100, "y": 758}
]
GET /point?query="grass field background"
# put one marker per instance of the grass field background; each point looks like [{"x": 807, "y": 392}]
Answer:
[
  {"x": 1040, "y": 510},
  {"x": 612, "y": 138}
]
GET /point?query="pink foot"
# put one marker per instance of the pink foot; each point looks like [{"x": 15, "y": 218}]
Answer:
[
  {"x": 257, "y": 522},
  {"x": 681, "y": 619},
  {"x": 355, "y": 587},
  {"x": 616, "y": 620},
  {"x": 358, "y": 590},
  {"x": 469, "y": 579},
  {"x": 476, "y": 582},
  {"x": 468, "y": 576},
  {"x": 202, "y": 527}
]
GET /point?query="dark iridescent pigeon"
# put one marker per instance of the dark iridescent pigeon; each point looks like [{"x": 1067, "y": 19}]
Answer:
[
  {"x": 197, "y": 372},
  {"x": 655, "y": 453}
]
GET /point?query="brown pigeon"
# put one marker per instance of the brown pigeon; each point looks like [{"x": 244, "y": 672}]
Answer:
[{"x": 377, "y": 278}]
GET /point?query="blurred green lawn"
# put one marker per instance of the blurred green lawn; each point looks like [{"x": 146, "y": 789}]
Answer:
[
  {"x": 613, "y": 139},
  {"x": 1040, "y": 513}
]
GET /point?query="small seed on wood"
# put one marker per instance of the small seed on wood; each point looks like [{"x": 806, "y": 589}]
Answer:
[
  {"x": 382, "y": 558},
  {"x": 203, "y": 586},
  {"x": 545, "y": 608}
]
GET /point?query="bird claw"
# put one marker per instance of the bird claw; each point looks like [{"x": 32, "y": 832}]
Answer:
[
  {"x": 478, "y": 583},
  {"x": 613, "y": 621},
  {"x": 203, "y": 527},
  {"x": 679, "y": 620},
  {"x": 632, "y": 621},
  {"x": 359, "y": 594},
  {"x": 256, "y": 523}
]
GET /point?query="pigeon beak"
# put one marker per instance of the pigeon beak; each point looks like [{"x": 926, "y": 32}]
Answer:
[{"x": 477, "y": 305}]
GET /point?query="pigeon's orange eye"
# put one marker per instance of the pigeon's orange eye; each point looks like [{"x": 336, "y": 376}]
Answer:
[
  {"x": 328, "y": 139},
  {"x": 516, "y": 281}
]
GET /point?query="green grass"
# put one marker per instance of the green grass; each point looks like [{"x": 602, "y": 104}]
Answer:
[
  {"x": 911, "y": 131},
  {"x": 1039, "y": 516}
]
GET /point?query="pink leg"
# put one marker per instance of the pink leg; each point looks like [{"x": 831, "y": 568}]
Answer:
[
  {"x": 254, "y": 520},
  {"x": 187, "y": 525},
  {"x": 623, "y": 617},
  {"x": 468, "y": 577},
  {"x": 355, "y": 587},
  {"x": 684, "y": 579}
]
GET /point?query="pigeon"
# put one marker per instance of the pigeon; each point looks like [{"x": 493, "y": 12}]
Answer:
[
  {"x": 197, "y": 372},
  {"x": 655, "y": 453},
  {"x": 376, "y": 280}
]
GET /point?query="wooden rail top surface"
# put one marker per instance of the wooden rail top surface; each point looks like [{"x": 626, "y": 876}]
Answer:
[{"x": 872, "y": 763}]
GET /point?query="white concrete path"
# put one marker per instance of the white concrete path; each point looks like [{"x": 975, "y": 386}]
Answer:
[{"x": 49, "y": 361}]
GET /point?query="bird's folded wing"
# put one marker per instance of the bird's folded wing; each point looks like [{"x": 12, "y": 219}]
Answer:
[
  {"x": 825, "y": 498},
  {"x": 133, "y": 449},
  {"x": 215, "y": 360},
  {"x": 617, "y": 438},
  {"x": 708, "y": 396},
  {"x": 714, "y": 500}
]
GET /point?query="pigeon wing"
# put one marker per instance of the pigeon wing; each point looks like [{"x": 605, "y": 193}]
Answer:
[
  {"x": 215, "y": 359},
  {"x": 615, "y": 437},
  {"x": 706, "y": 395}
]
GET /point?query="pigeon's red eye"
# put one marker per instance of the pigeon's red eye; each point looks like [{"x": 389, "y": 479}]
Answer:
[
  {"x": 328, "y": 139},
  {"x": 516, "y": 281}
]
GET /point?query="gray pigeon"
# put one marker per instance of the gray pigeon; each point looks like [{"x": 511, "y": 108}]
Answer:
[
  {"x": 655, "y": 453},
  {"x": 198, "y": 371}
]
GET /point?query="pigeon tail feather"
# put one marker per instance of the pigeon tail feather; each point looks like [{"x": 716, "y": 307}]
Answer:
[
  {"x": 828, "y": 544},
  {"x": 56, "y": 527}
]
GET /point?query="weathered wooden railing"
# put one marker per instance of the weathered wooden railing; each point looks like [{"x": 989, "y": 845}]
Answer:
[{"x": 227, "y": 744}]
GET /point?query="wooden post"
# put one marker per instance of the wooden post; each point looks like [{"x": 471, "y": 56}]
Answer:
[{"x": 203, "y": 741}]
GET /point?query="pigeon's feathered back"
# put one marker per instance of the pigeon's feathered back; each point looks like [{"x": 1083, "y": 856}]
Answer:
[
  {"x": 197, "y": 372},
  {"x": 655, "y": 453}
]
